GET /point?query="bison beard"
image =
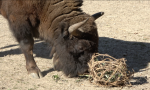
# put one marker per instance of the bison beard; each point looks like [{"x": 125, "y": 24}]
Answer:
[{"x": 73, "y": 40}]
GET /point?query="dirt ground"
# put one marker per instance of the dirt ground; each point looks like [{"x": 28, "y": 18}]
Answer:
[{"x": 123, "y": 32}]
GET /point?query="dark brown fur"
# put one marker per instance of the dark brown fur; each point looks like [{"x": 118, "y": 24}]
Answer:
[{"x": 50, "y": 20}]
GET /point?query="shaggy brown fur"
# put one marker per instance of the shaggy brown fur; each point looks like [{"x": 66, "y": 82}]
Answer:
[{"x": 50, "y": 20}]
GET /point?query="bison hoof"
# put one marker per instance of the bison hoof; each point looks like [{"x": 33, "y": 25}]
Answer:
[{"x": 36, "y": 75}]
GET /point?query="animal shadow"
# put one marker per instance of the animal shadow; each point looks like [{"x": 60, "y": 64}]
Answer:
[
  {"x": 47, "y": 71},
  {"x": 41, "y": 49},
  {"x": 137, "y": 54},
  {"x": 139, "y": 80}
]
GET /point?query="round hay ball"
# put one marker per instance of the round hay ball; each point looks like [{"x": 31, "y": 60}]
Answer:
[{"x": 108, "y": 71}]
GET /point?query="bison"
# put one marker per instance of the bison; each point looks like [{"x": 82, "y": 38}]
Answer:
[{"x": 70, "y": 32}]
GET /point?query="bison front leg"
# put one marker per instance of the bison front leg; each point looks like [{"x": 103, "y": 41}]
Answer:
[
  {"x": 27, "y": 48},
  {"x": 22, "y": 31}
]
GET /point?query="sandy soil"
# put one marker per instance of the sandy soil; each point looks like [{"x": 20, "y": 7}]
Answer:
[{"x": 123, "y": 32}]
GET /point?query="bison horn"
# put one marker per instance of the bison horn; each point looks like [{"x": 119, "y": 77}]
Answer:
[
  {"x": 97, "y": 15},
  {"x": 76, "y": 26}
]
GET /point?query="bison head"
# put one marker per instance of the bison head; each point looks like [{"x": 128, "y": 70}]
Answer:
[{"x": 73, "y": 48}]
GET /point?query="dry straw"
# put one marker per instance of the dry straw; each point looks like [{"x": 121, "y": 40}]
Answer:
[{"x": 108, "y": 71}]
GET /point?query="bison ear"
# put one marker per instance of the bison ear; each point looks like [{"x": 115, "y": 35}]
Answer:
[
  {"x": 64, "y": 29},
  {"x": 97, "y": 15}
]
